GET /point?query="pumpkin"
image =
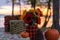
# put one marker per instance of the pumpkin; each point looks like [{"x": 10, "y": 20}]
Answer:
[
  {"x": 24, "y": 34},
  {"x": 52, "y": 34}
]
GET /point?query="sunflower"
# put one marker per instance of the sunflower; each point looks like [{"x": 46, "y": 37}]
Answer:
[
  {"x": 32, "y": 16},
  {"x": 22, "y": 16},
  {"x": 28, "y": 18},
  {"x": 38, "y": 12}
]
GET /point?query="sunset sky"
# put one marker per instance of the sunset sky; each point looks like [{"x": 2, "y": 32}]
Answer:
[{"x": 6, "y": 7}]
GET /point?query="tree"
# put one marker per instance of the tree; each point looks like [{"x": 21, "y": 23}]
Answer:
[
  {"x": 56, "y": 15},
  {"x": 13, "y": 7},
  {"x": 33, "y": 3}
]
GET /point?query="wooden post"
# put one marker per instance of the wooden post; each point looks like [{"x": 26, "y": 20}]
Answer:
[
  {"x": 12, "y": 7},
  {"x": 33, "y": 3},
  {"x": 56, "y": 15}
]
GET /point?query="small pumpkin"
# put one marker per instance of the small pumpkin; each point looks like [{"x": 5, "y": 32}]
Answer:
[
  {"x": 52, "y": 34},
  {"x": 24, "y": 34}
]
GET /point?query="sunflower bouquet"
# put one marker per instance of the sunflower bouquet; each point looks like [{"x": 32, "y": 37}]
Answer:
[{"x": 32, "y": 16}]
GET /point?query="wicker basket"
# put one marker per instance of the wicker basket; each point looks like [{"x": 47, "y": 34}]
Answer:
[{"x": 16, "y": 26}]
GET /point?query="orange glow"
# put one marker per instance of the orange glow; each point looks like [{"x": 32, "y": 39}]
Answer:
[{"x": 8, "y": 9}]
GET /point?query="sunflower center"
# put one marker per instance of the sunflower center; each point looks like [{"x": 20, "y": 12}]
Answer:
[{"x": 29, "y": 18}]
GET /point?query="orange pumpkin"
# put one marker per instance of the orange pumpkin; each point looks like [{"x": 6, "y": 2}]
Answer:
[
  {"x": 24, "y": 34},
  {"x": 52, "y": 34}
]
